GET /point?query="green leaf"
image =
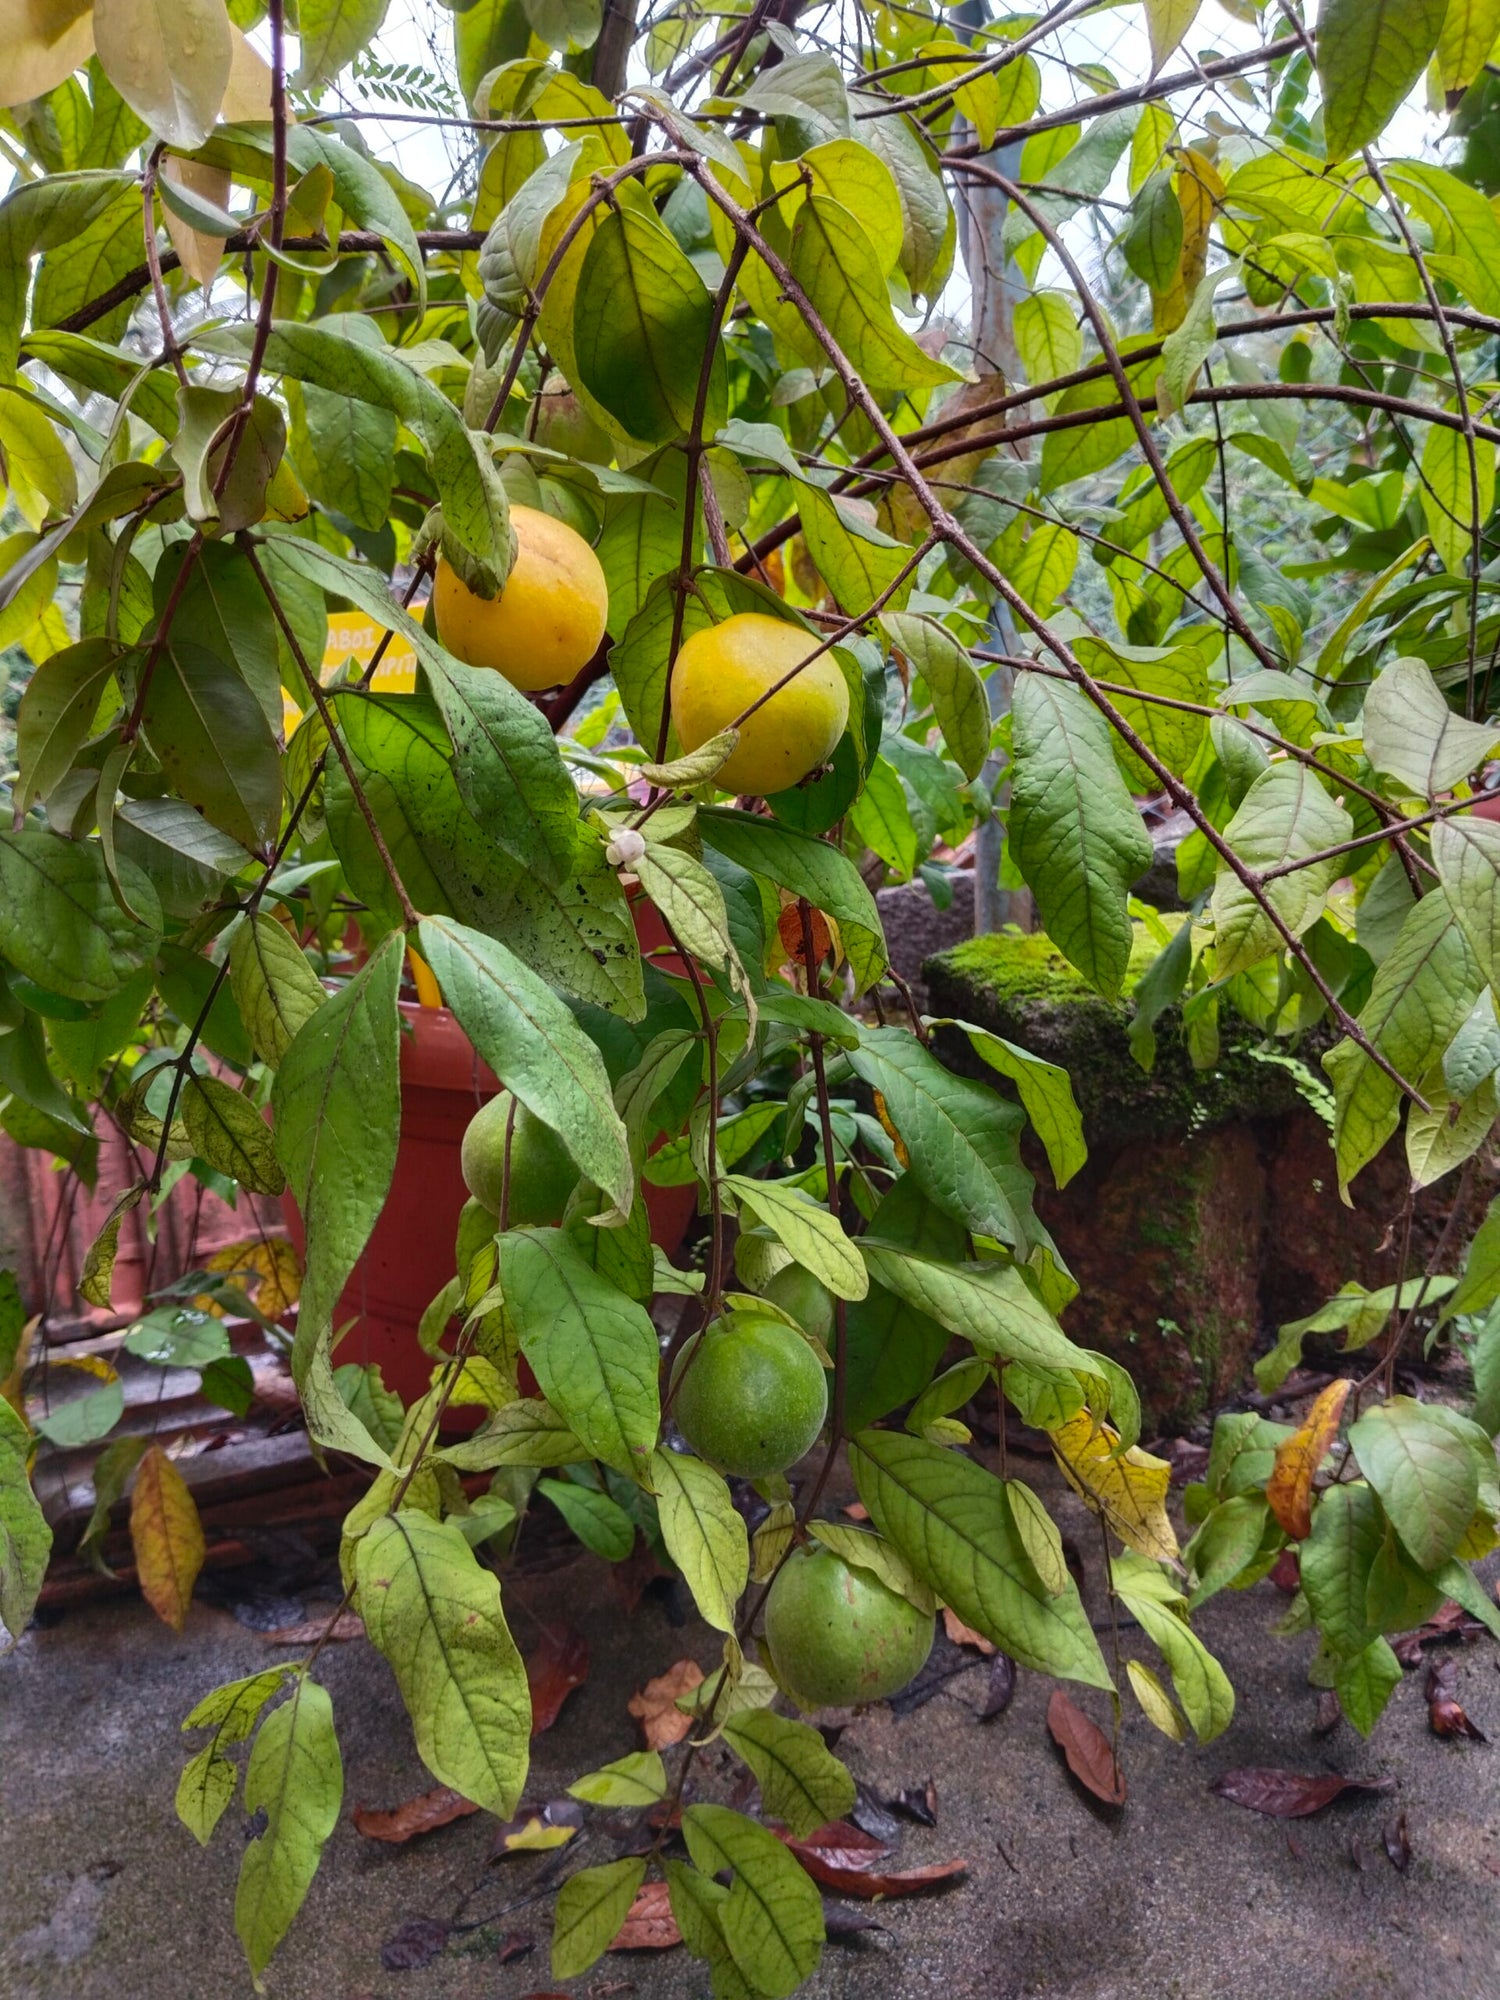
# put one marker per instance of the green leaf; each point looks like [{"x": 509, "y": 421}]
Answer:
[
  {"x": 473, "y": 499},
  {"x": 214, "y": 743},
  {"x": 331, "y": 34},
  {"x": 815, "y": 1239},
  {"x": 1167, "y": 21},
  {"x": 57, "y": 714},
  {"x": 960, "y": 1136},
  {"x": 1151, "y": 241},
  {"x": 59, "y": 921},
  {"x": 989, "y": 1305},
  {"x": 83, "y": 1419},
  {"x": 804, "y": 867},
  {"x": 1412, "y": 735},
  {"x": 337, "y": 1105},
  {"x": 1047, "y": 336},
  {"x": 39, "y": 215},
  {"x": 527, "y": 1035},
  {"x": 1448, "y": 490},
  {"x": 1335, "y": 1561},
  {"x": 580, "y": 936},
  {"x": 1366, "y": 1683},
  {"x": 226, "y": 1130},
  {"x": 705, "y": 1536},
  {"x": 953, "y": 1522},
  {"x": 689, "y": 898},
  {"x": 835, "y": 263},
  {"x": 600, "y": 1523},
  {"x": 275, "y": 989},
  {"x": 641, "y": 322},
  {"x": 170, "y": 61},
  {"x": 857, "y": 559},
  {"x": 1077, "y": 837},
  {"x": 434, "y": 1612},
  {"x": 1370, "y": 53},
  {"x": 801, "y": 1782},
  {"x": 1425, "y": 1471},
  {"x": 639, "y": 1779},
  {"x": 773, "y": 1916},
  {"x": 1284, "y": 817},
  {"x": 1201, "y": 1684},
  {"x": 1046, "y": 1093},
  {"x": 25, "y": 1537},
  {"x": 953, "y": 683},
  {"x": 592, "y": 1346},
  {"x": 892, "y": 1347},
  {"x": 590, "y": 1910},
  {"x": 528, "y": 1432},
  {"x": 296, "y": 1777},
  {"x": 207, "y": 418}
]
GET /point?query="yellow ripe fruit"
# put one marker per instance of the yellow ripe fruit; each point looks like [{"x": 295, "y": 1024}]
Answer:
[
  {"x": 548, "y": 620},
  {"x": 724, "y": 668}
]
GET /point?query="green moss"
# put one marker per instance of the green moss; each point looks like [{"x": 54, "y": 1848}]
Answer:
[{"x": 1021, "y": 987}]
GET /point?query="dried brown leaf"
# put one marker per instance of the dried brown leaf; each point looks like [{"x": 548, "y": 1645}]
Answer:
[
  {"x": 1002, "y": 1688},
  {"x": 347, "y": 1625},
  {"x": 429, "y": 1810},
  {"x": 1445, "y": 1713},
  {"x": 559, "y": 1664},
  {"x": 1397, "y": 1843},
  {"x": 1088, "y": 1751},
  {"x": 965, "y": 1635},
  {"x": 649, "y": 1924},
  {"x": 655, "y": 1707},
  {"x": 1289, "y": 1794}
]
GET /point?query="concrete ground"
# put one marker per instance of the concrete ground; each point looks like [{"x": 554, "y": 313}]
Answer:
[{"x": 1183, "y": 1896}]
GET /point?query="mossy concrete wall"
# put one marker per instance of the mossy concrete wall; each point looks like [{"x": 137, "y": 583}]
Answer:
[{"x": 1208, "y": 1212}]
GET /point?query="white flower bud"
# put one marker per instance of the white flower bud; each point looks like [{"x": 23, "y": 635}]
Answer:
[{"x": 626, "y": 848}]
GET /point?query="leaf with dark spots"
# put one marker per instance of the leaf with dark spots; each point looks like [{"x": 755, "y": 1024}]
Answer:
[
  {"x": 417, "y": 1943},
  {"x": 1397, "y": 1843},
  {"x": 649, "y": 1924},
  {"x": 1289, "y": 1794},
  {"x": 1087, "y": 1749},
  {"x": 1445, "y": 1713},
  {"x": 559, "y": 1664},
  {"x": 1002, "y": 1687},
  {"x": 423, "y": 1814}
]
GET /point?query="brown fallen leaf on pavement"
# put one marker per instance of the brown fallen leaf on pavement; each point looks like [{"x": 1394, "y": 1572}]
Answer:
[
  {"x": 918, "y": 1802},
  {"x": 655, "y": 1707},
  {"x": 856, "y": 1871},
  {"x": 514, "y": 1945},
  {"x": 1087, "y": 1749},
  {"x": 559, "y": 1664},
  {"x": 347, "y": 1625},
  {"x": 439, "y": 1807},
  {"x": 1397, "y": 1843},
  {"x": 649, "y": 1924},
  {"x": 1289, "y": 1794},
  {"x": 1002, "y": 1688},
  {"x": 416, "y": 1944},
  {"x": 965, "y": 1635},
  {"x": 1289, "y": 1489},
  {"x": 1445, "y": 1713},
  {"x": 1449, "y": 1625}
]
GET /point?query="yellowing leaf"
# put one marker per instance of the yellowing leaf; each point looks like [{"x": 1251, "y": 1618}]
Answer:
[
  {"x": 200, "y": 254},
  {"x": 1156, "y": 1703},
  {"x": 266, "y": 1270},
  {"x": 1128, "y": 1487},
  {"x": 167, "y": 1536},
  {"x": 1289, "y": 1489},
  {"x": 44, "y": 42}
]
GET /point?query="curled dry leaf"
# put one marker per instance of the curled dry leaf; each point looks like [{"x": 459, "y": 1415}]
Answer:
[
  {"x": 1289, "y": 1794},
  {"x": 429, "y": 1810},
  {"x": 649, "y": 1924},
  {"x": 1002, "y": 1688},
  {"x": 1088, "y": 1751},
  {"x": 1289, "y": 1489},
  {"x": 1445, "y": 1713},
  {"x": 655, "y": 1707},
  {"x": 793, "y": 941},
  {"x": 827, "y": 1866},
  {"x": 514, "y": 1945},
  {"x": 347, "y": 1625},
  {"x": 1450, "y": 1624},
  {"x": 559, "y": 1664},
  {"x": 965, "y": 1635},
  {"x": 1397, "y": 1843},
  {"x": 918, "y": 1802},
  {"x": 416, "y": 1944}
]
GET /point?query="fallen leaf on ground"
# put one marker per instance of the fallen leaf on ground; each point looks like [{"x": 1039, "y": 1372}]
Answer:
[
  {"x": 918, "y": 1802},
  {"x": 1445, "y": 1713},
  {"x": 1002, "y": 1688},
  {"x": 1450, "y": 1624},
  {"x": 347, "y": 1625},
  {"x": 655, "y": 1707},
  {"x": 828, "y": 1866},
  {"x": 537, "y": 1829},
  {"x": 1289, "y": 1794},
  {"x": 515, "y": 1944},
  {"x": 872, "y": 1816},
  {"x": 855, "y": 1511},
  {"x": 439, "y": 1807},
  {"x": 1330, "y": 1713},
  {"x": 1087, "y": 1749},
  {"x": 965, "y": 1635},
  {"x": 944, "y": 1662},
  {"x": 417, "y": 1943},
  {"x": 839, "y": 1922},
  {"x": 1397, "y": 1843},
  {"x": 649, "y": 1924},
  {"x": 559, "y": 1664},
  {"x": 1289, "y": 1489}
]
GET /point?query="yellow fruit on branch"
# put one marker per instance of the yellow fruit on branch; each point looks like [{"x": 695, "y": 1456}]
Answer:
[
  {"x": 546, "y": 623},
  {"x": 723, "y": 669}
]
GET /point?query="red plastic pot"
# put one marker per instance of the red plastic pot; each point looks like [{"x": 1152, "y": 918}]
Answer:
[{"x": 409, "y": 1257}]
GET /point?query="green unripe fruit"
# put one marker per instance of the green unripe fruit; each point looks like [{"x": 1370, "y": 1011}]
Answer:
[
  {"x": 798, "y": 1292},
  {"x": 753, "y": 1395},
  {"x": 542, "y": 1175},
  {"x": 838, "y": 1636}
]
